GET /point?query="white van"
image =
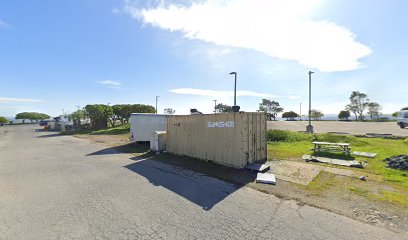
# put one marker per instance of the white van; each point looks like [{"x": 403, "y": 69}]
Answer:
[{"x": 402, "y": 119}]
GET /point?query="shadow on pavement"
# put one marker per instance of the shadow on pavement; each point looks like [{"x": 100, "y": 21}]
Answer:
[
  {"x": 50, "y": 135},
  {"x": 126, "y": 148},
  {"x": 193, "y": 179}
]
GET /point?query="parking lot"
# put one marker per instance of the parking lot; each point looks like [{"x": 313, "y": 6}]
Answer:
[
  {"x": 61, "y": 187},
  {"x": 354, "y": 128}
]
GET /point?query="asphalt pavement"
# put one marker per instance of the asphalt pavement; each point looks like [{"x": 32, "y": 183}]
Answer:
[{"x": 61, "y": 187}]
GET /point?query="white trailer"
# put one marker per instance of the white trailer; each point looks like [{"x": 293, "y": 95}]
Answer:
[{"x": 143, "y": 126}]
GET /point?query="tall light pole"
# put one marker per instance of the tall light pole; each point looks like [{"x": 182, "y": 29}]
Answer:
[
  {"x": 300, "y": 112},
  {"x": 215, "y": 106},
  {"x": 309, "y": 128},
  {"x": 235, "y": 88},
  {"x": 157, "y": 98}
]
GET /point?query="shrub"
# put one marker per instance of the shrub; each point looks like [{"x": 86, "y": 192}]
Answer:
[
  {"x": 291, "y": 136},
  {"x": 326, "y": 137},
  {"x": 287, "y": 136}
]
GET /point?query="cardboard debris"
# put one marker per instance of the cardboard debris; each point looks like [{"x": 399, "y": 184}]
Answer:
[
  {"x": 257, "y": 167},
  {"x": 364, "y": 154},
  {"x": 266, "y": 178},
  {"x": 339, "y": 162}
]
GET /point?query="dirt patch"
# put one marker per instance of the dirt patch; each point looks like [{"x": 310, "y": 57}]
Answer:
[{"x": 296, "y": 172}]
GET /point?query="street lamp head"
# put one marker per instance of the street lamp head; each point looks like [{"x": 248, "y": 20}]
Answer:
[
  {"x": 232, "y": 73},
  {"x": 310, "y": 72}
]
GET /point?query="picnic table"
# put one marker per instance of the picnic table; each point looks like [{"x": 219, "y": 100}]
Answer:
[{"x": 331, "y": 147}]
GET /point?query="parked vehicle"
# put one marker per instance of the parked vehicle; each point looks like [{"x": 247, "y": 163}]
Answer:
[
  {"x": 43, "y": 123},
  {"x": 402, "y": 119}
]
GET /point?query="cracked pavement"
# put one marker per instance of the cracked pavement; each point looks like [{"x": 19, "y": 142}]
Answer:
[{"x": 61, "y": 187}]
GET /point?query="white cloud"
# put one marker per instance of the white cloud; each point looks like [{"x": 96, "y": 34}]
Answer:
[
  {"x": 18, "y": 100},
  {"x": 282, "y": 29},
  {"x": 116, "y": 11},
  {"x": 215, "y": 93},
  {"x": 111, "y": 84}
]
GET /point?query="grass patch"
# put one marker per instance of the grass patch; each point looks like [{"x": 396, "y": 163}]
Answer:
[
  {"x": 290, "y": 148},
  {"x": 123, "y": 129},
  {"x": 287, "y": 136},
  {"x": 393, "y": 197},
  {"x": 359, "y": 191},
  {"x": 321, "y": 182},
  {"x": 113, "y": 131}
]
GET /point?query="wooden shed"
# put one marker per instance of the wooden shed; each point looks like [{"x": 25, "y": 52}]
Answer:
[{"x": 232, "y": 139}]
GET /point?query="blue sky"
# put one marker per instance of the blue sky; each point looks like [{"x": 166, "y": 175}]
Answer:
[{"x": 57, "y": 55}]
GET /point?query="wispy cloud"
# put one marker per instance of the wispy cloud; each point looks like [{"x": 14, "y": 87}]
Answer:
[
  {"x": 18, "y": 100},
  {"x": 3, "y": 24},
  {"x": 215, "y": 93},
  {"x": 111, "y": 84},
  {"x": 281, "y": 29}
]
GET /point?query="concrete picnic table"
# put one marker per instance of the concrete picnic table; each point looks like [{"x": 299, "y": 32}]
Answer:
[{"x": 331, "y": 147}]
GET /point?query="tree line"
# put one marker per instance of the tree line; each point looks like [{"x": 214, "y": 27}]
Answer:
[
  {"x": 3, "y": 119},
  {"x": 101, "y": 115},
  {"x": 32, "y": 116},
  {"x": 359, "y": 105},
  {"x": 272, "y": 109}
]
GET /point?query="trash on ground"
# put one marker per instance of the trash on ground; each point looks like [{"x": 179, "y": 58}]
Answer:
[
  {"x": 398, "y": 162},
  {"x": 257, "y": 167},
  {"x": 266, "y": 178},
  {"x": 339, "y": 162},
  {"x": 362, "y": 178},
  {"x": 364, "y": 154}
]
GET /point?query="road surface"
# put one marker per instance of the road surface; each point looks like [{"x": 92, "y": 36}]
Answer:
[
  {"x": 354, "y": 128},
  {"x": 61, "y": 187}
]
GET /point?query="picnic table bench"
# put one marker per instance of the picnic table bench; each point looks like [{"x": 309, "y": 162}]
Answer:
[{"x": 331, "y": 147}]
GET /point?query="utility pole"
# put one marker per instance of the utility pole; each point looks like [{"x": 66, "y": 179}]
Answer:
[
  {"x": 215, "y": 106},
  {"x": 157, "y": 97},
  {"x": 300, "y": 115},
  {"x": 309, "y": 128}
]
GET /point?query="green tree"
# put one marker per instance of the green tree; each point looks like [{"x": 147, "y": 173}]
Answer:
[
  {"x": 223, "y": 108},
  {"x": 271, "y": 108},
  {"x": 374, "y": 110},
  {"x": 122, "y": 112},
  {"x": 395, "y": 114},
  {"x": 352, "y": 109},
  {"x": 316, "y": 115},
  {"x": 358, "y": 104},
  {"x": 99, "y": 114},
  {"x": 290, "y": 115},
  {"x": 3, "y": 119},
  {"x": 77, "y": 116},
  {"x": 32, "y": 116},
  {"x": 142, "y": 108},
  {"x": 344, "y": 115}
]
